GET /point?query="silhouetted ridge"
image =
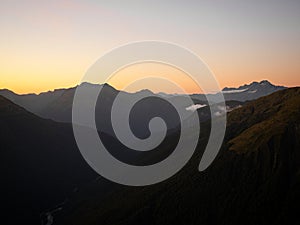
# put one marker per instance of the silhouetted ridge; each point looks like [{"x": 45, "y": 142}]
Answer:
[{"x": 40, "y": 164}]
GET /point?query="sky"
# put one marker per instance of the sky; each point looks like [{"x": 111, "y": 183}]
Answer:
[{"x": 46, "y": 45}]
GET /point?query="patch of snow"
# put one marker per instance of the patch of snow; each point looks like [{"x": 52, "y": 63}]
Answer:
[
  {"x": 233, "y": 108},
  {"x": 193, "y": 108},
  {"x": 218, "y": 113},
  {"x": 223, "y": 110},
  {"x": 234, "y": 91},
  {"x": 252, "y": 91},
  {"x": 226, "y": 109}
]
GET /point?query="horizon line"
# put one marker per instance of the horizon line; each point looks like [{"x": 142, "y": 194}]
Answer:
[{"x": 71, "y": 87}]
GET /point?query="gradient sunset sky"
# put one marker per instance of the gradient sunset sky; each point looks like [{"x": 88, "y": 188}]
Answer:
[{"x": 50, "y": 44}]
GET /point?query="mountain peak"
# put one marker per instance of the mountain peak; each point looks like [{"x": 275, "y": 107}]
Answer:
[
  {"x": 145, "y": 91},
  {"x": 266, "y": 82},
  {"x": 105, "y": 86},
  {"x": 251, "y": 85},
  {"x": 251, "y": 91},
  {"x": 6, "y": 92},
  {"x": 89, "y": 84}
]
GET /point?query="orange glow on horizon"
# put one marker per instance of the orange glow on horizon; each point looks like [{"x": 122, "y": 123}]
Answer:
[
  {"x": 36, "y": 72},
  {"x": 156, "y": 77}
]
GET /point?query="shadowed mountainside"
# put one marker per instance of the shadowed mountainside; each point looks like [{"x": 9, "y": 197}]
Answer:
[
  {"x": 40, "y": 164},
  {"x": 254, "y": 180}
]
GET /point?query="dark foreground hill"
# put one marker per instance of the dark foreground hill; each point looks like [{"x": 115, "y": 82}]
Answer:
[
  {"x": 254, "y": 180},
  {"x": 40, "y": 164},
  {"x": 57, "y": 104}
]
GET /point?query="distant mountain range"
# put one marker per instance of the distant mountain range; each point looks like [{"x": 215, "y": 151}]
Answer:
[
  {"x": 251, "y": 91},
  {"x": 57, "y": 104}
]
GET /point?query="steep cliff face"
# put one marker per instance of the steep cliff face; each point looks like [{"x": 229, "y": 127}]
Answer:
[{"x": 254, "y": 180}]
